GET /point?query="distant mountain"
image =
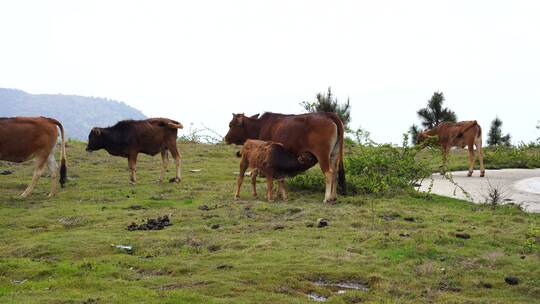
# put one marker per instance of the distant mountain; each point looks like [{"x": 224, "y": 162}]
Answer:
[{"x": 78, "y": 114}]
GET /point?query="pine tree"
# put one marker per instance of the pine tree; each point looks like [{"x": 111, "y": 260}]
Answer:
[
  {"x": 432, "y": 115},
  {"x": 435, "y": 113},
  {"x": 413, "y": 131},
  {"x": 538, "y": 127},
  {"x": 495, "y": 137},
  {"x": 328, "y": 103}
]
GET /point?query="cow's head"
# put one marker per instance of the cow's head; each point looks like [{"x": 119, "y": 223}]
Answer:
[
  {"x": 96, "y": 140},
  {"x": 422, "y": 136},
  {"x": 238, "y": 129}
]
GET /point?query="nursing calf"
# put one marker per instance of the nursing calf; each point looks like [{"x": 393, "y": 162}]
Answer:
[
  {"x": 128, "y": 138},
  {"x": 271, "y": 160},
  {"x": 25, "y": 138}
]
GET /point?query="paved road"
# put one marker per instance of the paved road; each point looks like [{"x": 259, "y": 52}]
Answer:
[{"x": 521, "y": 186}]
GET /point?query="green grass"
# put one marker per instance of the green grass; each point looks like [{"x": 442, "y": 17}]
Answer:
[{"x": 59, "y": 250}]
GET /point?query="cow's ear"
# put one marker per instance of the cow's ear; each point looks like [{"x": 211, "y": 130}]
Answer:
[
  {"x": 96, "y": 131},
  {"x": 255, "y": 116}
]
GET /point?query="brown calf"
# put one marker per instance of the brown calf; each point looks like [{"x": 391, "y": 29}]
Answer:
[
  {"x": 460, "y": 134},
  {"x": 25, "y": 138},
  {"x": 271, "y": 160}
]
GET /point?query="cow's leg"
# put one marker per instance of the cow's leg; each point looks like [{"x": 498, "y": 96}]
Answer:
[
  {"x": 38, "y": 170},
  {"x": 132, "y": 162},
  {"x": 269, "y": 186},
  {"x": 281, "y": 185},
  {"x": 471, "y": 160},
  {"x": 178, "y": 162},
  {"x": 164, "y": 164},
  {"x": 243, "y": 168},
  {"x": 324, "y": 163},
  {"x": 478, "y": 145},
  {"x": 254, "y": 174},
  {"x": 334, "y": 165},
  {"x": 445, "y": 152},
  {"x": 53, "y": 168}
]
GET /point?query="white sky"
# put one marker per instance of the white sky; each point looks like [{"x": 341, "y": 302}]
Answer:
[{"x": 199, "y": 61}]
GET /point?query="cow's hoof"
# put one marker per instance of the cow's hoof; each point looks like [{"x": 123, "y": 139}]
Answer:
[
  {"x": 24, "y": 195},
  {"x": 174, "y": 180},
  {"x": 132, "y": 183},
  {"x": 469, "y": 174},
  {"x": 482, "y": 174},
  {"x": 237, "y": 198},
  {"x": 50, "y": 195},
  {"x": 330, "y": 201}
]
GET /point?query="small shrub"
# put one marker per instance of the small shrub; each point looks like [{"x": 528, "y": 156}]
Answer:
[
  {"x": 495, "y": 195},
  {"x": 532, "y": 239},
  {"x": 200, "y": 135}
]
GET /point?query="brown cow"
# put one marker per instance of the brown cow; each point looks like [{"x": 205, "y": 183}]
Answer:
[
  {"x": 271, "y": 160},
  {"x": 320, "y": 134},
  {"x": 128, "y": 138},
  {"x": 25, "y": 138},
  {"x": 460, "y": 134}
]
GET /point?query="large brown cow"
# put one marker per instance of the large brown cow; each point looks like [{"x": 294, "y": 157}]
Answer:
[
  {"x": 320, "y": 134},
  {"x": 25, "y": 138},
  {"x": 460, "y": 134},
  {"x": 128, "y": 138}
]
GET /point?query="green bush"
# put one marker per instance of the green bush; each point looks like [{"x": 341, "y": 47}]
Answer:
[
  {"x": 523, "y": 156},
  {"x": 384, "y": 169},
  {"x": 375, "y": 169}
]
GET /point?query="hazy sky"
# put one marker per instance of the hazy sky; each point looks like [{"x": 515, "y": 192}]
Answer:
[{"x": 199, "y": 61}]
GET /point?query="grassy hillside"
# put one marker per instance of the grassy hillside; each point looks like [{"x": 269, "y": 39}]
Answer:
[{"x": 403, "y": 249}]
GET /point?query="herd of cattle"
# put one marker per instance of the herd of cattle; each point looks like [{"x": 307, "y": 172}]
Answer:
[{"x": 274, "y": 146}]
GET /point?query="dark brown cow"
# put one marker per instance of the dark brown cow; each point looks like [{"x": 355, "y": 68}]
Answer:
[
  {"x": 272, "y": 161},
  {"x": 128, "y": 138},
  {"x": 25, "y": 138},
  {"x": 460, "y": 134},
  {"x": 320, "y": 134}
]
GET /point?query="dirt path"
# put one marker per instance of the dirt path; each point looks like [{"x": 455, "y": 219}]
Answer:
[{"x": 521, "y": 186}]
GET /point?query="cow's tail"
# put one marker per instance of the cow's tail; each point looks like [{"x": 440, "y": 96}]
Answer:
[
  {"x": 467, "y": 128},
  {"x": 342, "y": 185},
  {"x": 63, "y": 165}
]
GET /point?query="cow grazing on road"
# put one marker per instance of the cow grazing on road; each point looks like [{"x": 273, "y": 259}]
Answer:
[
  {"x": 460, "y": 134},
  {"x": 271, "y": 160},
  {"x": 320, "y": 134},
  {"x": 25, "y": 138},
  {"x": 128, "y": 138}
]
